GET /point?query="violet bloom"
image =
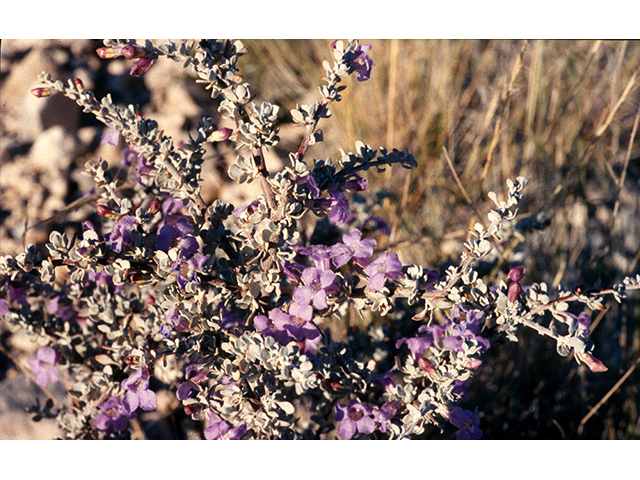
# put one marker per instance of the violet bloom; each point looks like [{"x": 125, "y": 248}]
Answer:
[
  {"x": 44, "y": 366},
  {"x": 4, "y": 307},
  {"x": 273, "y": 326},
  {"x": 353, "y": 247},
  {"x": 138, "y": 393},
  {"x": 385, "y": 413},
  {"x": 387, "y": 265},
  {"x": 317, "y": 284},
  {"x": 121, "y": 235},
  {"x": 186, "y": 270},
  {"x": 416, "y": 345},
  {"x": 299, "y": 325},
  {"x": 464, "y": 324},
  {"x": 363, "y": 62},
  {"x": 55, "y": 307},
  {"x": 467, "y": 422},
  {"x": 355, "y": 417},
  {"x": 337, "y": 207},
  {"x": 173, "y": 321},
  {"x": 185, "y": 390},
  {"x": 113, "y": 416},
  {"x": 110, "y": 136},
  {"x": 218, "y": 429},
  {"x": 177, "y": 234}
]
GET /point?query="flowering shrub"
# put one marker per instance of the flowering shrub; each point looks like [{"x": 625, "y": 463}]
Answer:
[{"x": 227, "y": 306}]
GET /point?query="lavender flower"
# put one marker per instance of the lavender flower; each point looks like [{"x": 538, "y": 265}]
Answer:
[
  {"x": 299, "y": 325},
  {"x": 274, "y": 325},
  {"x": 468, "y": 422},
  {"x": 387, "y": 265},
  {"x": 173, "y": 321},
  {"x": 219, "y": 429},
  {"x": 353, "y": 247},
  {"x": 113, "y": 416},
  {"x": 355, "y": 417},
  {"x": 44, "y": 366},
  {"x": 193, "y": 375},
  {"x": 363, "y": 62},
  {"x": 383, "y": 415},
  {"x": 337, "y": 207},
  {"x": 4, "y": 307},
  {"x": 138, "y": 393},
  {"x": 121, "y": 235},
  {"x": 317, "y": 284}
]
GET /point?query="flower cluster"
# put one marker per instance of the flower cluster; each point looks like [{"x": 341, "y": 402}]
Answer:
[{"x": 228, "y": 306}]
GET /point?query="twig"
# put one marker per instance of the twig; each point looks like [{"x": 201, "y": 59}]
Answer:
[{"x": 606, "y": 397}]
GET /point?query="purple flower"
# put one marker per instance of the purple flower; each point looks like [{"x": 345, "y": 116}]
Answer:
[
  {"x": 356, "y": 184},
  {"x": 385, "y": 413},
  {"x": 387, "y": 265},
  {"x": 55, "y": 307},
  {"x": 173, "y": 321},
  {"x": 111, "y": 137},
  {"x": 311, "y": 183},
  {"x": 467, "y": 421},
  {"x": 317, "y": 284},
  {"x": 218, "y": 429},
  {"x": 186, "y": 270},
  {"x": 273, "y": 326},
  {"x": 192, "y": 375},
  {"x": 337, "y": 207},
  {"x": 177, "y": 234},
  {"x": 138, "y": 393},
  {"x": 354, "y": 417},
  {"x": 464, "y": 324},
  {"x": 4, "y": 307},
  {"x": 363, "y": 62},
  {"x": 299, "y": 325},
  {"x": 416, "y": 345},
  {"x": 44, "y": 366},
  {"x": 121, "y": 234},
  {"x": 113, "y": 416},
  {"x": 353, "y": 247}
]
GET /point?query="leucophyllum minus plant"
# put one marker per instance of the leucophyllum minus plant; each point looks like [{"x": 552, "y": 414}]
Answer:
[{"x": 229, "y": 307}]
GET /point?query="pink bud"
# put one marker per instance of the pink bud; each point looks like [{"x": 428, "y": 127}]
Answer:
[
  {"x": 220, "y": 135},
  {"x": 42, "y": 92},
  {"x": 140, "y": 67},
  {"x": 514, "y": 291},
  {"x": 593, "y": 363},
  {"x": 78, "y": 83},
  {"x": 131, "y": 51},
  {"x": 426, "y": 366},
  {"x": 154, "y": 207},
  {"x": 105, "y": 211},
  {"x": 515, "y": 274},
  {"x": 108, "y": 52}
]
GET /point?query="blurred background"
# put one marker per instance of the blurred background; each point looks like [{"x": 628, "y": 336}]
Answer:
[{"x": 473, "y": 113}]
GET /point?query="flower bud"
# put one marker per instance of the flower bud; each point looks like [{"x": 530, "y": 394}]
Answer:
[
  {"x": 131, "y": 51},
  {"x": 515, "y": 274},
  {"x": 154, "y": 207},
  {"x": 108, "y": 52},
  {"x": 78, "y": 83},
  {"x": 514, "y": 291},
  {"x": 426, "y": 366},
  {"x": 140, "y": 67},
  {"x": 42, "y": 92},
  {"x": 105, "y": 211},
  {"x": 220, "y": 135}
]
